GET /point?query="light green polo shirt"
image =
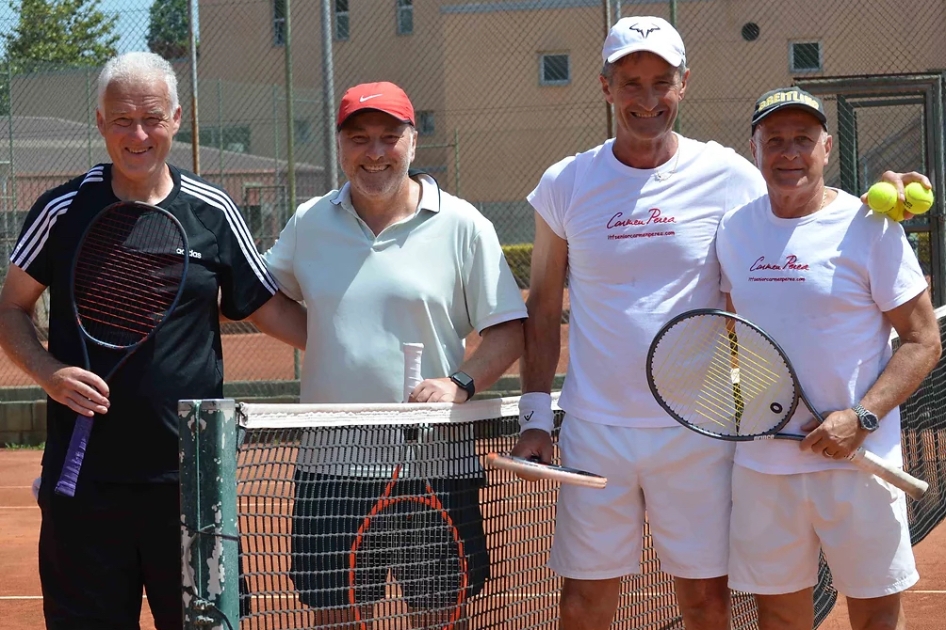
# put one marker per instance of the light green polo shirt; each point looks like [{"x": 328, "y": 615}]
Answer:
[{"x": 432, "y": 278}]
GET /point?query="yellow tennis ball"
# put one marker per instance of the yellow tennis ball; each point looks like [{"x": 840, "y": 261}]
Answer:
[
  {"x": 882, "y": 197},
  {"x": 917, "y": 199}
]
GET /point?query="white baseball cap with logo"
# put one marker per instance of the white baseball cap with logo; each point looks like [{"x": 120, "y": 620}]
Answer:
[{"x": 644, "y": 34}]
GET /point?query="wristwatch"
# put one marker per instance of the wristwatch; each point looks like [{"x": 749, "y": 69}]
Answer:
[
  {"x": 465, "y": 382},
  {"x": 867, "y": 419}
]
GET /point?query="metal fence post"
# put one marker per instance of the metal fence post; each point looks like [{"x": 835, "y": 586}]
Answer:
[{"x": 209, "y": 535}]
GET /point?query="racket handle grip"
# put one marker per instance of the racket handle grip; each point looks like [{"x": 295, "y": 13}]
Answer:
[
  {"x": 66, "y": 486},
  {"x": 876, "y": 465},
  {"x": 413, "y": 352}
]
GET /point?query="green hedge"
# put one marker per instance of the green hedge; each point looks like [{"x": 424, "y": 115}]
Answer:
[{"x": 519, "y": 257}]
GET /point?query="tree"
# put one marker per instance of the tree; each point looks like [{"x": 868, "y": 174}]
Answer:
[
  {"x": 168, "y": 33},
  {"x": 61, "y": 32}
]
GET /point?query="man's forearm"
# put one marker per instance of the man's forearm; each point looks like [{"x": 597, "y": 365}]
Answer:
[
  {"x": 501, "y": 346},
  {"x": 282, "y": 319},
  {"x": 904, "y": 373},
  {"x": 543, "y": 348},
  {"x": 20, "y": 343}
]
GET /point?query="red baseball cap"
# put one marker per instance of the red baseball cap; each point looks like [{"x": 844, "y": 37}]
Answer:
[{"x": 383, "y": 97}]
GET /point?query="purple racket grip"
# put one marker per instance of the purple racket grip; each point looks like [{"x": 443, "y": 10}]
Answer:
[{"x": 66, "y": 485}]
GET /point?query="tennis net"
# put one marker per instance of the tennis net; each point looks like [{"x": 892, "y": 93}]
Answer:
[{"x": 293, "y": 558}]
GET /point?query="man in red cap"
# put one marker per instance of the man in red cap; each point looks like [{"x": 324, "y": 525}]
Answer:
[{"x": 389, "y": 259}]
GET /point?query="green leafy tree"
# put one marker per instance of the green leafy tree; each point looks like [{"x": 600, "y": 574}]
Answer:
[
  {"x": 60, "y": 32},
  {"x": 168, "y": 34}
]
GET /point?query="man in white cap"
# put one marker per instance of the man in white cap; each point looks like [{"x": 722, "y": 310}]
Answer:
[{"x": 633, "y": 223}]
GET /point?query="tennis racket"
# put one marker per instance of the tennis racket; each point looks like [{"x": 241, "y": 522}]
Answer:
[
  {"x": 409, "y": 532},
  {"x": 724, "y": 377},
  {"x": 536, "y": 469},
  {"x": 126, "y": 280}
]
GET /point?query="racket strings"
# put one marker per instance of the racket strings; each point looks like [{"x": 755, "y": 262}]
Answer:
[
  {"x": 722, "y": 376},
  {"x": 127, "y": 274},
  {"x": 410, "y": 545}
]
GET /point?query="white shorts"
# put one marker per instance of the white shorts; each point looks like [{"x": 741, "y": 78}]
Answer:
[
  {"x": 779, "y": 523},
  {"x": 682, "y": 480}
]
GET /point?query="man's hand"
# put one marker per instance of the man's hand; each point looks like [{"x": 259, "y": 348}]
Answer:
[
  {"x": 82, "y": 391},
  {"x": 438, "y": 390},
  {"x": 837, "y": 437},
  {"x": 899, "y": 181},
  {"x": 532, "y": 444}
]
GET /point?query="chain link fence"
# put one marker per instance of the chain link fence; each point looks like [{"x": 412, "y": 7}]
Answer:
[{"x": 502, "y": 90}]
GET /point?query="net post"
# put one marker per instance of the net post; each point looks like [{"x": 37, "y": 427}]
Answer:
[{"x": 209, "y": 550}]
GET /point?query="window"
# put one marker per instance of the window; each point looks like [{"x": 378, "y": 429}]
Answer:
[
  {"x": 750, "y": 31},
  {"x": 342, "y": 25},
  {"x": 805, "y": 57},
  {"x": 279, "y": 22},
  {"x": 405, "y": 17},
  {"x": 235, "y": 138},
  {"x": 554, "y": 69},
  {"x": 425, "y": 123},
  {"x": 303, "y": 131}
]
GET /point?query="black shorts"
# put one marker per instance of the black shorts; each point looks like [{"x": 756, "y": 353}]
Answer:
[
  {"x": 99, "y": 549},
  {"x": 327, "y": 514}
]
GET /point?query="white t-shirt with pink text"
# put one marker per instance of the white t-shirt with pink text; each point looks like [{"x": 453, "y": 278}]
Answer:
[
  {"x": 640, "y": 251},
  {"x": 819, "y": 285}
]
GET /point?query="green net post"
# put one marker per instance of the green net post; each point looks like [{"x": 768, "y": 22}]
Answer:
[{"x": 211, "y": 597}]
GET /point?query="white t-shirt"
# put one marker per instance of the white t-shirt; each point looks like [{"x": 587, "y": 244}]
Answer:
[
  {"x": 640, "y": 251},
  {"x": 432, "y": 278},
  {"x": 819, "y": 285}
]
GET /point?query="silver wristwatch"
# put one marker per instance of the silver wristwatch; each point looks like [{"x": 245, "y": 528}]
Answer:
[{"x": 867, "y": 419}]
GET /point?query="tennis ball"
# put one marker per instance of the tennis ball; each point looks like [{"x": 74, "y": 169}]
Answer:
[
  {"x": 917, "y": 199},
  {"x": 882, "y": 197}
]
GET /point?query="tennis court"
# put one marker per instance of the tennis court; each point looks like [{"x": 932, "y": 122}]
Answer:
[
  {"x": 521, "y": 592},
  {"x": 21, "y": 606}
]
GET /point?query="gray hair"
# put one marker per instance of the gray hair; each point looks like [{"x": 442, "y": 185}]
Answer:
[
  {"x": 607, "y": 70},
  {"x": 136, "y": 66}
]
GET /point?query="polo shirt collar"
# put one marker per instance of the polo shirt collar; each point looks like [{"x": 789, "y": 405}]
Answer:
[{"x": 429, "y": 199}]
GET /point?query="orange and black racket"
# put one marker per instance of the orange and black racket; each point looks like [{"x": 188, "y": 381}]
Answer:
[{"x": 411, "y": 534}]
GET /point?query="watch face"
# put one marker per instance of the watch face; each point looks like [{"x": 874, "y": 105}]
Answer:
[
  {"x": 464, "y": 381},
  {"x": 867, "y": 420}
]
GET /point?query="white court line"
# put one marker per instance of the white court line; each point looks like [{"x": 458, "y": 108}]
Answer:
[
  {"x": 29, "y": 597},
  {"x": 18, "y": 597}
]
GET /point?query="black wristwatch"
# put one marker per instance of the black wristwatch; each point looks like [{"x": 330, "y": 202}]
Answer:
[
  {"x": 465, "y": 382},
  {"x": 868, "y": 420}
]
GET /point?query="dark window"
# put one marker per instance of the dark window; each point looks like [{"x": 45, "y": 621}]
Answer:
[
  {"x": 279, "y": 22},
  {"x": 425, "y": 123},
  {"x": 303, "y": 131},
  {"x": 750, "y": 31},
  {"x": 554, "y": 69},
  {"x": 342, "y": 24},
  {"x": 236, "y": 138},
  {"x": 405, "y": 17},
  {"x": 805, "y": 56}
]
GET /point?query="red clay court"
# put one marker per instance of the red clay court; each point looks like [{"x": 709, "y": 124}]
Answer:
[{"x": 21, "y": 604}]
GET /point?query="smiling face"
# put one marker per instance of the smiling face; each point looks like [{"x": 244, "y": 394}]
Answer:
[
  {"x": 791, "y": 149},
  {"x": 138, "y": 123},
  {"x": 646, "y": 92},
  {"x": 376, "y": 150}
]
